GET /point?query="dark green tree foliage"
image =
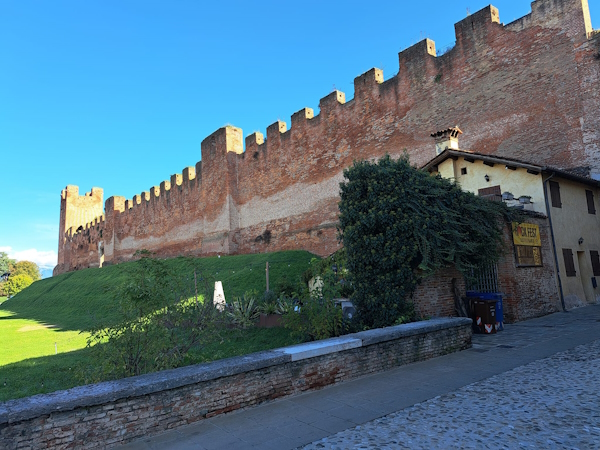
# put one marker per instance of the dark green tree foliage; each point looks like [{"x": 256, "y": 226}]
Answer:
[
  {"x": 400, "y": 224},
  {"x": 5, "y": 263}
]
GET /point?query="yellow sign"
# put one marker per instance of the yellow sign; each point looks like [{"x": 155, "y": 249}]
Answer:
[{"x": 526, "y": 234}]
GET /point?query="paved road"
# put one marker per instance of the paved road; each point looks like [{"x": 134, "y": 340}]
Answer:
[{"x": 534, "y": 385}]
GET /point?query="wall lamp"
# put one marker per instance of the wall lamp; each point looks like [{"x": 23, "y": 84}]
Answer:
[
  {"x": 580, "y": 241},
  {"x": 487, "y": 177}
]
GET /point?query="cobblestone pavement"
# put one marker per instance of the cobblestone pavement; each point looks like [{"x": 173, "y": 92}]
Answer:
[
  {"x": 551, "y": 403},
  {"x": 535, "y": 384}
]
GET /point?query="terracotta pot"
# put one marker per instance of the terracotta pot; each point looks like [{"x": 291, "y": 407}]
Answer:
[{"x": 270, "y": 321}]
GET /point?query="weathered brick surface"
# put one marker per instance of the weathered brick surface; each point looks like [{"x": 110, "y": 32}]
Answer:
[
  {"x": 434, "y": 297},
  {"x": 529, "y": 291},
  {"x": 97, "y": 423},
  {"x": 527, "y": 90}
]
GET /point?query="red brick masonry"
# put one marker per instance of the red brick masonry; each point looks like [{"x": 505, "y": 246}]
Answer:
[{"x": 528, "y": 90}]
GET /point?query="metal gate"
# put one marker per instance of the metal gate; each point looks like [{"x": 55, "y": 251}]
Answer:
[{"x": 485, "y": 279}]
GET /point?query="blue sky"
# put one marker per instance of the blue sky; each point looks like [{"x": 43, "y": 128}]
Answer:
[{"x": 119, "y": 94}]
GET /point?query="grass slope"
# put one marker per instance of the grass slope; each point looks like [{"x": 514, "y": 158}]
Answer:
[
  {"x": 57, "y": 309},
  {"x": 77, "y": 300}
]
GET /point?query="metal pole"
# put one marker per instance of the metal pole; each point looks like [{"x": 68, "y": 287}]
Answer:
[
  {"x": 196, "y": 288},
  {"x": 267, "y": 270}
]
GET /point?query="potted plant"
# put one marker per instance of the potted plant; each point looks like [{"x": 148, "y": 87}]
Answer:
[
  {"x": 525, "y": 199},
  {"x": 270, "y": 315}
]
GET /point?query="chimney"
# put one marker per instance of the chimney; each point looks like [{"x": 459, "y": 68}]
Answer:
[{"x": 446, "y": 139}]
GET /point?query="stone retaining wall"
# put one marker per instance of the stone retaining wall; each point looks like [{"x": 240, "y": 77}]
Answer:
[{"x": 106, "y": 414}]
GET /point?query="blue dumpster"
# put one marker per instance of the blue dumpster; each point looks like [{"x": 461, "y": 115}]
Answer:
[{"x": 499, "y": 307}]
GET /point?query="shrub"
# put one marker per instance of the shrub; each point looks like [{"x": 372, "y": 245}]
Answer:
[
  {"x": 316, "y": 319},
  {"x": 317, "y": 316},
  {"x": 395, "y": 218},
  {"x": 268, "y": 297},
  {"x": 285, "y": 287},
  {"x": 161, "y": 319},
  {"x": 243, "y": 311}
]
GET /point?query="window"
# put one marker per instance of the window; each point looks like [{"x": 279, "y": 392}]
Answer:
[
  {"x": 569, "y": 263},
  {"x": 595, "y": 262},
  {"x": 555, "y": 194},
  {"x": 463, "y": 170},
  {"x": 491, "y": 193},
  {"x": 589, "y": 195}
]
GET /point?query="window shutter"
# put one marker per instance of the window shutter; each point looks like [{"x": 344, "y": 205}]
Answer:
[
  {"x": 491, "y": 193},
  {"x": 569, "y": 263},
  {"x": 555, "y": 194},
  {"x": 589, "y": 195},
  {"x": 595, "y": 262}
]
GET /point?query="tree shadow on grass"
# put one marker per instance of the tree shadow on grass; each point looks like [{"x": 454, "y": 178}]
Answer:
[{"x": 43, "y": 375}]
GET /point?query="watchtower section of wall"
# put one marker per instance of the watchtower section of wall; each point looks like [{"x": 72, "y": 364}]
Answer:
[
  {"x": 75, "y": 212},
  {"x": 85, "y": 247}
]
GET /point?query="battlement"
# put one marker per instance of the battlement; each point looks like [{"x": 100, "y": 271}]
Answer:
[
  {"x": 421, "y": 60},
  {"x": 514, "y": 79},
  {"x": 329, "y": 103},
  {"x": 72, "y": 191},
  {"x": 85, "y": 229},
  {"x": 224, "y": 140},
  {"x": 475, "y": 26}
]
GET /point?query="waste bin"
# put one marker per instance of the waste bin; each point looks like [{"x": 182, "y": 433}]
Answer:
[
  {"x": 484, "y": 314},
  {"x": 497, "y": 297}
]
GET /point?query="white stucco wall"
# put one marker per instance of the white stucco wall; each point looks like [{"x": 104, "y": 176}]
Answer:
[{"x": 572, "y": 222}]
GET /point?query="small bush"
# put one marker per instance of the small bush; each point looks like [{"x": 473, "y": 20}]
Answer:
[
  {"x": 244, "y": 311},
  {"x": 268, "y": 297},
  {"x": 285, "y": 287},
  {"x": 161, "y": 319},
  {"x": 315, "y": 319},
  {"x": 317, "y": 316}
]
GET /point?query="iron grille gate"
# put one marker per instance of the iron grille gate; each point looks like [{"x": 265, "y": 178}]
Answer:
[{"x": 485, "y": 279}]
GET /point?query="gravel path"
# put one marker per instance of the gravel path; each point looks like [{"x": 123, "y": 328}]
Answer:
[{"x": 552, "y": 403}]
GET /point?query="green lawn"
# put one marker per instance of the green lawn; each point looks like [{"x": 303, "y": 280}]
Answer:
[
  {"x": 65, "y": 370},
  {"x": 62, "y": 309},
  {"x": 23, "y": 338}
]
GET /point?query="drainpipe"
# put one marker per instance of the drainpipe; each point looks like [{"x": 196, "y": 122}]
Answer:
[{"x": 562, "y": 298}]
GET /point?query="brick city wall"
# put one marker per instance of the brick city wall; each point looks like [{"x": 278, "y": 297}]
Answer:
[
  {"x": 112, "y": 413},
  {"x": 527, "y": 90}
]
